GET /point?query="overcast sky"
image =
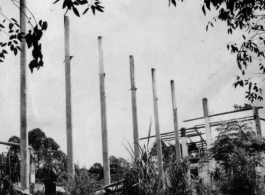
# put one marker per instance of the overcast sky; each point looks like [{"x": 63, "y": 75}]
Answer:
[{"x": 172, "y": 40}]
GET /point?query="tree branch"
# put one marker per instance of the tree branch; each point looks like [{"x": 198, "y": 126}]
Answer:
[
  {"x": 23, "y": 13},
  {"x": 28, "y": 10}
]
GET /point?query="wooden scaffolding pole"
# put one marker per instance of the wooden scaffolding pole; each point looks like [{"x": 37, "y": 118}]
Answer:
[
  {"x": 158, "y": 137},
  {"x": 207, "y": 122},
  {"x": 257, "y": 120},
  {"x": 104, "y": 130},
  {"x": 134, "y": 110},
  {"x": 175, "y": 116},
  {"x": 24, "y": 152},
  {"x": 70, "y": 152}
]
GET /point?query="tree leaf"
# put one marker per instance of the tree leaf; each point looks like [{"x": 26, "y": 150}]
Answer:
[
  {"x": 174, "y": 2},
  {"x": 44, "y": 26},
  {"x": 93, "y": 9},
  {"x": 76, "y": 11},
  {"x": 19, "y": 48},
  {"x": 13, "y": 20},
  {"x": 2, "y": 26},
  {"x": 15, "y": 51},
  {"x": 203, "y": 9},
  {"x": 99, "y": 8},
  {"x": 11, "y": 26},
  {"x": 85, "y": 11},
  {"x": 64, "y": 3},
  {"x": 56, "y": 1},
  {"x": 82, "y": 2},
  {"x": 207, "y": 3}
]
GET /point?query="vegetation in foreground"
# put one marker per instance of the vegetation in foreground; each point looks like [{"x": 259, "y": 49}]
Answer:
[{"x": 237, "y": 153}]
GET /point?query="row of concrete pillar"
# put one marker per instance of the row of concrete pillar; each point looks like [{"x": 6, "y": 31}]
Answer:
[
  {"x": 70, "y": 154},
  {"x": 156, "y": 116}
]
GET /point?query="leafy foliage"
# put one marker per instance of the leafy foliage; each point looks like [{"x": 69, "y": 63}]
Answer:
[
  {"x": 34, "y": 35},
  {"x": 47, "y": 153},
  {"x": 96, "y": 172},
  {"x": 116, "y": 168},
  {"x": 32, "y": 38},
  {"x": 238, "y": 151},
  {"x": 12, "y": 168},
  {"x": 72, "y": 5},
  {"x": 82, "y": 183},
  {"x": 141, "y": 176},
  {"x": 178, "y": 182},
  {"x": 50, "y": 160},
  {"x": 15, "y": 36},
  {"x": 245, "y": 16}
]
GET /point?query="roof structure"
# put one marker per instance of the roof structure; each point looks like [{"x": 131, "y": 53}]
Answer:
[{"x": 194, "y": 134}]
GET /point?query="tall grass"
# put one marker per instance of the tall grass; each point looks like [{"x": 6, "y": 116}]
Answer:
[{"x": 141, "y": 176}]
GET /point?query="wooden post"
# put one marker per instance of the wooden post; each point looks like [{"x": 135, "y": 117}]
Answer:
[
  {"x": 134, "y": 110},
  {"x": 158, "y": 137},
  {"x": 24, "y": 164},
  {"x": 257, "y": 120},
  {"x": 104, "y": 130},
  {"x": 70, "y": 153},
  {"x": 184, "y": 143},
  {"x": 175, "y": 116},
  {"x": 207, "y": 122}
]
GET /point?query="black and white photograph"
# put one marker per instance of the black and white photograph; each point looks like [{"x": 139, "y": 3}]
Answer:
[{"x": 132, "y": 97}]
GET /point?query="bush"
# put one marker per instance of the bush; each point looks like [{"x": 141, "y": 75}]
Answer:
[{"x": 238, "y": 151}]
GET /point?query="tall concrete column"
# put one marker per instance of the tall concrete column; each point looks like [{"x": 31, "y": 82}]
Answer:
[
  {"x": 257, "y": 120},
  {"x": 184, "y": 143},
  {"x": 32, "y": 173},
  {"x": 104, "y": 130},
  {"x": 207, "y": 122},
  {"x": 24, "y": 164},
  {"x": 134, "y": 110},
  {"x": 175, "y": 116},
  {"x": 69, "y": 133},
  {"x": 157, "y": 127}
]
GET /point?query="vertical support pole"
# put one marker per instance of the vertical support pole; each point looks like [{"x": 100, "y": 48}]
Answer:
[
  {"x": 202, "y": 148},
  {"x": 184, "y": 143},
  {"x": 175, "y": 116},
  {"x": 207, "y": 122},
  {"x": 257, "y": 120},
  {"x": 9, "y": 163},
  {"x": 158, "y": 136},
  {"x": 106, "y": 168},
  {"x": 69, "y": 133},
  {"x": 134, "y": 110},
  {"x": 32, "y": 175},
  {"x": 24, "y": 164}
]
